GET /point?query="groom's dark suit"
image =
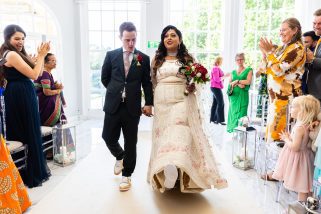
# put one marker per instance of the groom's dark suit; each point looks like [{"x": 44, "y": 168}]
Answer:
[{"x": 123, "y": 114}]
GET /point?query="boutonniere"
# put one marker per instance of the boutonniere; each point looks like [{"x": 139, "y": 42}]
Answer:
[{"x": 138, "y": 59}]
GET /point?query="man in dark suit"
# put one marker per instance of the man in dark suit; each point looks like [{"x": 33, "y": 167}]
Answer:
[
  {"x": 314, "y": 60},
  {"x": 310, "y": 40},
  {"x": 124, "y": 72}
]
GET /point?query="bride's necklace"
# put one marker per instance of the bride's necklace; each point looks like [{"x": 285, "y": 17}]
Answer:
[{"x": 172, "y": 53}]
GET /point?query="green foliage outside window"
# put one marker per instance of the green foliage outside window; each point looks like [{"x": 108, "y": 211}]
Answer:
[
  {"x": 263, "y": 19},
  {"x": 201, "y": 27}
]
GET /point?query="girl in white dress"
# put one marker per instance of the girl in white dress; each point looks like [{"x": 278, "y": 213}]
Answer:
[{"x": 180, "y": 149}]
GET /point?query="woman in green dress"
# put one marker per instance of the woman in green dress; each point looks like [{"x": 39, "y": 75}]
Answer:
[{"x": 240, "y": 81}]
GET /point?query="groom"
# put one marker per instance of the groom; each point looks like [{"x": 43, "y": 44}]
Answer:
[{"x": 124, "y": 72}]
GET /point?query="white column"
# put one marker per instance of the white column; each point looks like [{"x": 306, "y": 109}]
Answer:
[
  {"x": 154, "y": 22},
  {"x": 84, "y": 72},
  {"x": 233, "y": 28}
]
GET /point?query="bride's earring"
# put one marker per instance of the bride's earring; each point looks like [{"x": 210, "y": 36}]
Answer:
[{"x": 179, "y": 46}]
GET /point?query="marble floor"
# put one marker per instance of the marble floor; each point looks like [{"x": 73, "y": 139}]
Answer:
[{"x": 89, "y": 186}]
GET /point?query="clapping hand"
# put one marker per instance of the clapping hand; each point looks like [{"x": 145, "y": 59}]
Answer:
[
  {"x": 310, "y": 55},
  {"x": 265, "y": 45},
  {"x": 43, "y": 48},
  {"x": 33, "y": 58},
  {"x": 58, "y": 85},
  {"x": 285, "y": 136}
]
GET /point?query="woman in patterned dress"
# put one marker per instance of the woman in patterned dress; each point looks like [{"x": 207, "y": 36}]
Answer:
[{"x": 285, "y": 67}]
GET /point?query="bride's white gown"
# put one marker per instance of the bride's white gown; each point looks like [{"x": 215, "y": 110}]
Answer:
[{"x": 178, "y": 137}]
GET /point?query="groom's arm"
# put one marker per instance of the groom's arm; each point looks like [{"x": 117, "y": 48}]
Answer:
[
  {"x": 106, "y": 70},
  {"x": 147, "y": 83}
]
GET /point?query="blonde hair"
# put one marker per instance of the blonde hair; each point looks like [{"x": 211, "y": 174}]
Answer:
[
  {"x": 218, "y": 61},
  {"x": 309, "y": 108}
]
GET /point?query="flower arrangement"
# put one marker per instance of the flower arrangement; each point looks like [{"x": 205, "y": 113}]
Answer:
[
  {"x": 138, "y": 59},
  {"x": 194, "y": 73}
]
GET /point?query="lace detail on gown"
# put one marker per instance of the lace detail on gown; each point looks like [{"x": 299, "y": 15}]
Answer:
[{"x": 178, "y": 137}]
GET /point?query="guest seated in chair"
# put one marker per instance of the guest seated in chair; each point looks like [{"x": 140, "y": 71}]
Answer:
[{"x": 50, "y": 95}]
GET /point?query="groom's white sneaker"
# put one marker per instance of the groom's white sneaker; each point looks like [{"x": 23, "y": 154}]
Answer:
[
  {"x": 171, "y": 175},
  {"x": 125, "y": 184},
  {"x": 118, "y": 167}
]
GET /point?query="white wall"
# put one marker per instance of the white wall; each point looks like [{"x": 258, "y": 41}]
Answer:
[{"x": 66, "y": 12}]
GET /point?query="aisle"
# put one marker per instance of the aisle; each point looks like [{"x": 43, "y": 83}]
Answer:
[{"x": 91, "y": 187}]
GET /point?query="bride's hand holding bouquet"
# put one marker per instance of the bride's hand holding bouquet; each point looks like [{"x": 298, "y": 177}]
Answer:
[{"x": 194, "y": 73}]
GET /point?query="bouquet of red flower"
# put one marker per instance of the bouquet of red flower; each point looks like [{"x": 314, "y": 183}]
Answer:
[{"x": 194, "y": 73}]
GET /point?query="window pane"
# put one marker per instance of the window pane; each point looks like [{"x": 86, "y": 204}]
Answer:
[
  {"x": 118, "y": 42},
  {"x": 107, "y": 20},
  {"x": 201, "y": 41},
  {"x": 134, "y": 6},
  {"x": 203, "y": 5},
  {"x": 108, "y": 41},
  {"x": 94, "y": 40},
  {"x": 120, "y": 6},
  {"x": 94, "y": 20},
  {"x": 189, "y": 40},
  {"x": 93, "y": 5},
  {"x": 120, "y": 17},
  {"x": 26, "y": 22},
  {"x": 215, "y": 22},
  {"x": 135, "y": 18},
  {"x": 264, "y": 4},
  {"x": 177, "y": 19},
  {"x": 40, "y": 25},
  {"x": 263, "y": 24},
  {"x": 202, "y": 21},
  {"x": 189, "y": 21},
  {"x": 107, "y": 6},
  {"x": 202, "y": 58},
  {"x": 214, "y": 41},
  {"x": 176, "y": 4}
]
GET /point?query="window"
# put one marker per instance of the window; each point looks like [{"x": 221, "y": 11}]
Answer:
[
  {"x": 104, "y": 20},
  {"x": 34, "y": 18},
  {"x": 201, "y": 25},
  {"x": 263, "y": 19}
]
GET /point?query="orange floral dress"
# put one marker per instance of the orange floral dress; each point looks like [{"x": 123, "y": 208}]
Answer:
[{"x": 13, "y": 194}]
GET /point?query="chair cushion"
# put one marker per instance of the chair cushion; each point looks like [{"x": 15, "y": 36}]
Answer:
[
  {"x": 13, "y": 145},
  {"x": 45, "y": 131}
]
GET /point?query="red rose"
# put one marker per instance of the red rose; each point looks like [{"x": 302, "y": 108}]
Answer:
[{"x": 139, "y": 58}]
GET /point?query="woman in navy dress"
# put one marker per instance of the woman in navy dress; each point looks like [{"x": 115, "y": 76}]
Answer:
[{"x": 22, "y": 115}]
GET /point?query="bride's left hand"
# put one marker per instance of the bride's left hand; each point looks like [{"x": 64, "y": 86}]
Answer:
[{"x": 191, "y": 88}]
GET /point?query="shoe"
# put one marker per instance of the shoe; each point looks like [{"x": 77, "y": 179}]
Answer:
[
  {"x": 223, "y": 123},
  {"x": 268, "y": 177},
  {"x": 171, "y": 175},
  {"x": 125, "y": 184},
  {"x": 118, "y": 167}
]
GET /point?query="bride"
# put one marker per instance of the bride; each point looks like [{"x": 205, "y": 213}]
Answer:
[{"x": 181, "y": 153}]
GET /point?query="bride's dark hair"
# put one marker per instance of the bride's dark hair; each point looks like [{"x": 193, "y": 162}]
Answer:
[{"x": 182, "y": 53}]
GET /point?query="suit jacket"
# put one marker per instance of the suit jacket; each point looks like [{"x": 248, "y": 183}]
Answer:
[
  {"x": 314, "y": 73},
  {"x": 113, "y": 78}
]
